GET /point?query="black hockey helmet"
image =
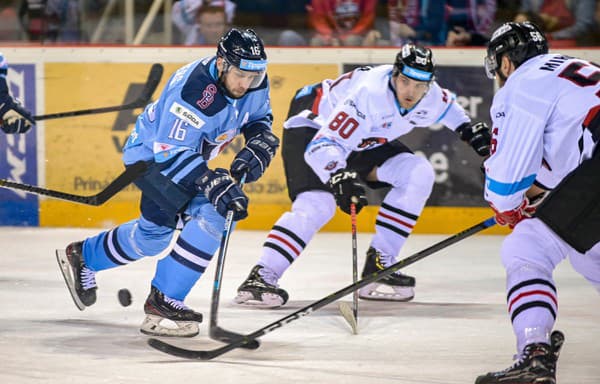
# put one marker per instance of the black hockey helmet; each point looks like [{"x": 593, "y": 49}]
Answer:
[
  {"x": 245, "y": 50},
  {"x": 520, "y": 41},
  {"x": 415, "y": 62}
]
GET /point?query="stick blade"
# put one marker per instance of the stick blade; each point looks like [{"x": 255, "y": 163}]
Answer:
[
  {"x": 174, "y": 350},
  {"x": 348, "y": 314},
  {"x": 228, "y": 337},
  {"x": 192, "y": 354}
]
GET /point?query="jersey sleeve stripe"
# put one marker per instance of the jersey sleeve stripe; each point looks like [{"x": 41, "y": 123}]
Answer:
[
  {"x": 507, "y": 189},
  {"x": 446, "y": 110}
]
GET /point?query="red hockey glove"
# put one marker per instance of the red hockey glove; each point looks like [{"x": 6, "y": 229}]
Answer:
[
  {"x": 525, "y": 210},
  {"x": 511, "y": 217}
]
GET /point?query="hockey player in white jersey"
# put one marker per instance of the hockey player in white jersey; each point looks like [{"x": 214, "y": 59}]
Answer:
[
  {"x": 14, "y": 118},
  {"x": 343, "y": 133},
  {"x": 203, "y": 107},
  {"x": 543, "y": 180}
]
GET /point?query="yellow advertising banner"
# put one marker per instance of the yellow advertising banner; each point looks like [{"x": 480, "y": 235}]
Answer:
[{"x": 83, "y": 154}]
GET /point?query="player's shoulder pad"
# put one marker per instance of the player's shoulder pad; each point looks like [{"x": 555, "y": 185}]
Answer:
[{"x": 202, "y": 91}]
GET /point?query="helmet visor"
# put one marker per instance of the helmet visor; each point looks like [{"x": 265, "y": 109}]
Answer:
[
  {"x": 255, "y": 70},
  {"x": 491, "y": 66}
]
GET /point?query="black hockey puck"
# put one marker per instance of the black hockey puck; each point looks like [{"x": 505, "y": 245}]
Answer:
[{"x": 124, "y": 297}]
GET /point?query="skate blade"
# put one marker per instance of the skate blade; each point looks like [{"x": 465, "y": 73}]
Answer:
[
  {"x": 152, "y": 326},
  {"x": 373, "y": 292},
  {"x": 348, "y": 314},
  {"x": 65, "y": 268},
  {"x": 268, "y": 300}
]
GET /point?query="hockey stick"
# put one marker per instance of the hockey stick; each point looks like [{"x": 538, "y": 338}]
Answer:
[
  {"x": 152, "y": 81},
  {"x": 211, "y": 354},
  {"x": 214, "y": 331},
  {"x": 351, "y": 314},
  {"x": 124, "y": 179}
]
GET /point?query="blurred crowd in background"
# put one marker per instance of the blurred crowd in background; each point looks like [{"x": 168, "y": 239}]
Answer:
[{"x": 567, "y": 23}]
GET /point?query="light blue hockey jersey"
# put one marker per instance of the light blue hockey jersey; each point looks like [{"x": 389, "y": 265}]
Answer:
[{"x": 192, "y": 121}]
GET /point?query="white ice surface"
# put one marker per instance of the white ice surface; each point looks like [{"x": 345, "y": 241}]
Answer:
[{"x": 455, "y": 329}]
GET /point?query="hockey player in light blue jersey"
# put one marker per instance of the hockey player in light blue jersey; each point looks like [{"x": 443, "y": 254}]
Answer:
[
  {"x": 203, "y": 107},
  {"x": 14, "y": 118}
]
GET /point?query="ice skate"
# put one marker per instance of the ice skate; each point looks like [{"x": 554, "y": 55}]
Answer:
[
  {"x": 160, "y": 308},
  {"x": 80, "y": 280},
  {"x": 395, "y": 287},
  {"x": 260, "y": 290},
  {"x": 537, "y": 365}
]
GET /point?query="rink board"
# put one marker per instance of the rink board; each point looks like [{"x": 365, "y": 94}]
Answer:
[{"x": 82, "y": 155}]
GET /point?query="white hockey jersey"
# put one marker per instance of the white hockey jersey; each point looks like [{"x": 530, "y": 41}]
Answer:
[
  {"x": 359, "y": 111},
  {"x": 538, "y": 131}
]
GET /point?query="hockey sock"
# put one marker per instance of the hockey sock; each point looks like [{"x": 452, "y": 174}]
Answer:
[
  {"x": 292, "y": 232},
  {"x": 125, "y": 244},
  {"x": 412, "y": 180},
  {"x": 177, "y": 273}
]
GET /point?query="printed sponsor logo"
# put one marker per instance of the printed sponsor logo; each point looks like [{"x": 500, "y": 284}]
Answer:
[
  {"x": 501, "y": 31},
  {"x": 161, "y": 147},
  {"x": 167, "y": 150},
  {"x": 253, "y": 65},
  {"x": 186, "y": 115},
  {"x": 372, "y": 142},
  {"x": 353, "y": 105}
]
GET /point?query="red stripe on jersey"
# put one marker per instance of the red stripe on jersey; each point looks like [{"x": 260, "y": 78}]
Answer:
[{"x": 315, "y": 106}]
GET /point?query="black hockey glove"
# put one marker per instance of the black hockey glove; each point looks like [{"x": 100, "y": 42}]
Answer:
[
  {"x": 223, "y": 193},
  {"x": 347, "y": 188},
  {"x": 477, "y": 136},
  {"x": 13, "y": 117},
  {"x": 255, "y": 157}
]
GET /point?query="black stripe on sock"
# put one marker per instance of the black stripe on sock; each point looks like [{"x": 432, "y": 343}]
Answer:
[
  {"x": 391, "y": 228},
  {"x": 117, "y": 246},
  {"x": 291, "y": 234},
  {"x": 193, "y": 250},
  {"x": 107, "y": 250},
  {"x": 185, "y": 262},
  {"x": 399, "y": 211},
  {"x": 532, "y": 304},
  {"x": 282, "y": 251},
  {"x": 530, "y": 282}
]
